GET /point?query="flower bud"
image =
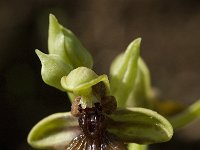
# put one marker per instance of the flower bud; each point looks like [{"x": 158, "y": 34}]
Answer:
[{"x": 64, "y": 43}]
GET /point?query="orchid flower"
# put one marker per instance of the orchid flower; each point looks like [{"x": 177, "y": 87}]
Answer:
[{"x": 121, "y": 107}]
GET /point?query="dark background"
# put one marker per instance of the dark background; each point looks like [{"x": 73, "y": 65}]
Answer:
[{"x": 170, "y": 32}]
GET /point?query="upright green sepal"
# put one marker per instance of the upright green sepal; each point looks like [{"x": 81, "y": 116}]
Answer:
[
  {"x": 64, "y": 43},
  {"x": 53, "y": 69},
  {"x": 142, "y": 93},
  {"x": 123, "y": 72}
]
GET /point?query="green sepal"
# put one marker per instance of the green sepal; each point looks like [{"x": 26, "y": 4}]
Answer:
[
  {"x": 123, "y": 73},
  {"x": 64, "y": 43},
  {"x": 53, "y": 69},
  {"x": 140, "y": 125},
  {"x": 54, "y": 131},
  {"x": 142, "y": 93}
]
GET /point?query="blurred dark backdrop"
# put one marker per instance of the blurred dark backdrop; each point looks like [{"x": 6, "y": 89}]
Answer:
[{"x": 170, "y": 32}]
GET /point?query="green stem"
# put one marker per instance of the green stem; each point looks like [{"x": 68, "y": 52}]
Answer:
[
  {"x": 187, "y": 116},
  {"x": 133, "y": 146}
]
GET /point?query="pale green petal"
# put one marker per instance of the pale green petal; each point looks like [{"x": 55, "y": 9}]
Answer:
[
  {"x": 187, "y": 116},
  {"x": 142, "y": 93},
  {"x": 123, "y": 73},
  {"x": 53, "y": 69},
  {"x": 54, "y": 131},
  {"x": 82, "y": 78},
  {"x": 64, "y": 43},
  {"x": 140, "y": 125},
  {"x": 80, "y": 81}
]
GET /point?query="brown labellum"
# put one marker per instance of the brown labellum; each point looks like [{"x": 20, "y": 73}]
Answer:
[
  {"x": 93, "y": 124},
  {"x": 108, "y": 142}
]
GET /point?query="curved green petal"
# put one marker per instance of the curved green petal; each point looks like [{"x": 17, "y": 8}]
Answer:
[
  {"x": 80, "y": 81},
  {"x": 140, "y": 125},
  {"x": 54, "y": 131},
  {"x": 64, "y": 43},
  {"x": 82, "y": 78},
  {"x": 187, "y": 116},
  {"x": 123, "y": 73},
  {"x": 53, "y": 69}
]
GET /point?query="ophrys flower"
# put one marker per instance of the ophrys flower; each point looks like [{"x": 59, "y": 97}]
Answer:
[{"x": 95, "y": 121}]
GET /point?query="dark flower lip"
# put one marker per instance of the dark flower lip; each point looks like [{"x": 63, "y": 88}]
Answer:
[
  {"x": 93, "y": 123},
  {"x": 135, "y": 125}
]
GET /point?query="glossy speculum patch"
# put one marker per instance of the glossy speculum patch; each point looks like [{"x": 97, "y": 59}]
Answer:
[{"x": 94, "y": 136}]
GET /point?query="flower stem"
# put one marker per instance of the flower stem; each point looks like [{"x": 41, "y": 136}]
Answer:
[
  {"x": 133, "y": 146},
  {"x": 187, "y": 116}
]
